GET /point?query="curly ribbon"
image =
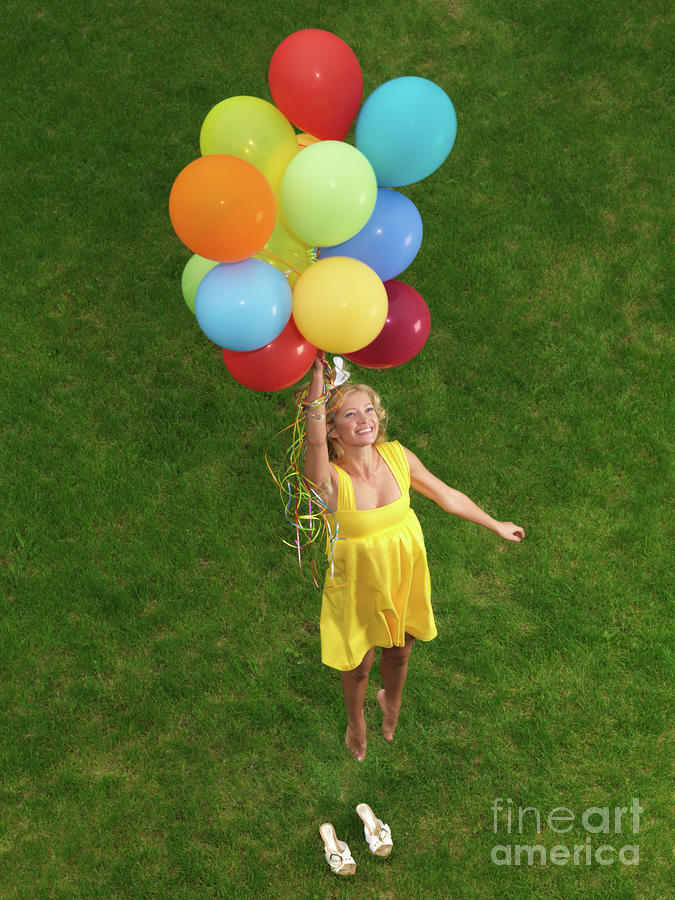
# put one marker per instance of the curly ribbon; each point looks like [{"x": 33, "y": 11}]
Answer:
[
  {"x": 312, "y": 255},
  {"x": 304, "y": 510},
  {"x": 289, "y": 267}
]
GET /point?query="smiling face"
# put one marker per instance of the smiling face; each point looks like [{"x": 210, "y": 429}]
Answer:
[
  {"x": 350, "y": 409},
  {"x": 356, "y": 421}
]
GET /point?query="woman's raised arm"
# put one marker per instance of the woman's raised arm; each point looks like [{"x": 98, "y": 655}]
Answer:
[{"x": 318, "y": 470}]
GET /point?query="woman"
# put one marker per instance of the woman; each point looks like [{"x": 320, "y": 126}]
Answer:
[{"x": 377, "y": 590}]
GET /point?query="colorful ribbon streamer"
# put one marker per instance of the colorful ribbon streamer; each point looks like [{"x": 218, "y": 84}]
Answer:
[{"x": 304, "y": 510}]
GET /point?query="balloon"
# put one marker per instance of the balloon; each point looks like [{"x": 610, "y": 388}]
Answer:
[
  {"x": 285, "y": 253},
  {"x": 339, "y": 304},
  {"x": 222, "y": 208},
  {"x": 243, "y": 306},
  {"x": 389, "y": 240},
  {"x": 304, "y": 140},
  {"x": 275, "y": 366},
  {"x": 251, "y": 129},
  {"x": 328, "y": 193},
  {"x": 195, "y": 269},
  {"x": 405, "y": 331},
  {"x": 315, "y": 79},
  {"x": 406, "y": 128}
]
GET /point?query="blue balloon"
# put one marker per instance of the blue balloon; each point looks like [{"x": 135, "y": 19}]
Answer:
[
  {"x": 243, "y": 306},
  {"x": 406, "y": 129},
  {"x": 389, "y": 240}
]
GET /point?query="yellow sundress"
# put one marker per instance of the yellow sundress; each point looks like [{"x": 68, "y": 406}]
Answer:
[{"x": 379, "y": 587}]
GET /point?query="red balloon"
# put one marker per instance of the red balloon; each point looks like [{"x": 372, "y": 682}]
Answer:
[
  {"x": 405, "y": 331},
  {"x": 275, "y": 366},
  {"x": 315, "y": 80}
]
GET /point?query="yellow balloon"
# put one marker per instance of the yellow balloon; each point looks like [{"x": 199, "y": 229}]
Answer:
[
  {"x": 286, "y": 253},
  {"x": 339, "y": 304},
  {"x": 251, "y": 129}
]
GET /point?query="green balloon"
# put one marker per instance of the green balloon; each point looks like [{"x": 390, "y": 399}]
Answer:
[
  {"x": 328, "y": 193},
  {"x": 195, "y": 269}
]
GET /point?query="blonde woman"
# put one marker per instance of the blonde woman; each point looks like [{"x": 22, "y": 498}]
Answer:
[{"x": 377, "y": 590}]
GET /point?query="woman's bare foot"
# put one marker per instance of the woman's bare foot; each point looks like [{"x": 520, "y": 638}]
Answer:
[
  {"x": 389, "y": 716},
  {"x": 355, "y": 739}
]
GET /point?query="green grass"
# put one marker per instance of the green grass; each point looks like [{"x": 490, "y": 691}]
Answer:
[{"x": 167, "y": 729}]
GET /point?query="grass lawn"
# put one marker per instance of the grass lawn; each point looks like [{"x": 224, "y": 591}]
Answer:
[{"x": 167, "y": 729}]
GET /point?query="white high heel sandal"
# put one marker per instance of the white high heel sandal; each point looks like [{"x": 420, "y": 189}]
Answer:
[
  {"x": 377, "y": 833},
  {"x": 338, "y": 855}
]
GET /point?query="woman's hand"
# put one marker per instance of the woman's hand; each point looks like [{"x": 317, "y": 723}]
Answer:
[
  {"x": 317, "y": 365},
  {"x": 316, "y": 387},
  {"x": 510, "y": 532}
]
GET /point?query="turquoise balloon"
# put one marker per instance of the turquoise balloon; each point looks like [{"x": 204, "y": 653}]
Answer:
[
  {"x": 406, "y": 129},
  {"x": 243, "y": 306},
  {"x": 195, "y": 269}
]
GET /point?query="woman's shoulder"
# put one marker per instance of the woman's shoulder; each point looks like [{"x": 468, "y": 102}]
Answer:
[
  {"x": 337, "y": 472},
  {"x": 394, "y": 450},
  {"x": 394, "y": 447},
  {"x": 407, "y": 457}
]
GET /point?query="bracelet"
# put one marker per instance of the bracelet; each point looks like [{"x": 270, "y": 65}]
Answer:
[
  {"x": 315, "y": 404},
  {"x": 309, "y": 415}
]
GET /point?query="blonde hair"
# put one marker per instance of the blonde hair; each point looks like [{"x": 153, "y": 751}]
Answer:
[{"x": 335, "y": 400}]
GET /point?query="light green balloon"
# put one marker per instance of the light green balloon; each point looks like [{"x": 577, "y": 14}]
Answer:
[
  {"x": 195, "y": 269},
  {"x": 328, "y": 193}
]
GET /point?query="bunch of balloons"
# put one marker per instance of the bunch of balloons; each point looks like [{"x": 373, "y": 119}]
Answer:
[{"x": 298, "y": 238}]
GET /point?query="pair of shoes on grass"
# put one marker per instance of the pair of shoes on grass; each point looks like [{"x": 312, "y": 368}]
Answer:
[{"x": 377, "y": 835}]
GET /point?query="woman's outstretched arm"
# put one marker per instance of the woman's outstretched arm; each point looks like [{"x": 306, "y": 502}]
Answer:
[{"x": 455, "y": 502}]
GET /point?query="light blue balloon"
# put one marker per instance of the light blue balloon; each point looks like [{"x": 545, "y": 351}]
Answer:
[
  {"x": 406, "y": 129},
  {"x": 389, "y": 240},
  {"x": 243, "y": 306}
]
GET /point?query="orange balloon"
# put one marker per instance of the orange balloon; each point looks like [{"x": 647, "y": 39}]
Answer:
[
  {"x": 304, "y": 140},
  {"x": 222, "y": 208}
]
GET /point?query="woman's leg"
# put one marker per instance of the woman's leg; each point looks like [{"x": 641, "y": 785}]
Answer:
[
  {"x": 354, "y": 686},
  {"x": 393, "y": 669}
]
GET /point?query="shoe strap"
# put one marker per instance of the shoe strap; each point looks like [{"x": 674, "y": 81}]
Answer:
[
  {"x": 337, "y": 860},
  {"x": 375, "y": 841}
]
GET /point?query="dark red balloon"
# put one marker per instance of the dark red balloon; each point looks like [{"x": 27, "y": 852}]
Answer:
[
  {"x": 405, "y": 330},
  {"x": 315, "y": 80},
  {"x": 275, "y": 366}
]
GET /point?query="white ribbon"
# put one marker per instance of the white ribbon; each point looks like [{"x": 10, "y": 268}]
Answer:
[{"x": 341, "y": 374}]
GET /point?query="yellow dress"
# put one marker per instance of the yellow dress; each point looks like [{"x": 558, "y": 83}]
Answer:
[{"x": 379, "y": 588}]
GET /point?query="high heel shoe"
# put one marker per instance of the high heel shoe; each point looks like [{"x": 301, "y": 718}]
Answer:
[
  {"x": 338, "y": 855},
  {"x": 377, "y": 833}
]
